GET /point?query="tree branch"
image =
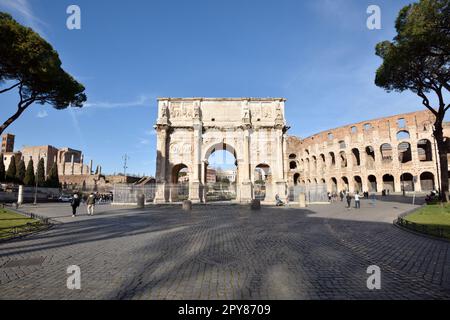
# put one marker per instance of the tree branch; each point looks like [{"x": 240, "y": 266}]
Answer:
[
  {"x": 21, "y": 107},
  {"x": 426, "y": 102},
  {"x": 10, "y": 88}
]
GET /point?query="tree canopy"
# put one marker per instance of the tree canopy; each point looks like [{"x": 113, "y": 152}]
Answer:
[
  {"x": 418, "y": 59},
  {"x": 30, "y": 64},
  {"x": 29, "y": 179}
]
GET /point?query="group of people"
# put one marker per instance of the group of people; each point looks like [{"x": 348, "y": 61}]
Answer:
[
  {"x": 90, "y": 202},
  {"x": 332, "y": 197}
]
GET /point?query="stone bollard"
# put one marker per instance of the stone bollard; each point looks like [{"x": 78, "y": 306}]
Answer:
[
  {"x": 187, "y": 205},
  {"x": 302, "y": 200},
  {"x": 255, "y": 204},
  {"x": 141, "y": 201},
  {"x": 20, "y": 196}
]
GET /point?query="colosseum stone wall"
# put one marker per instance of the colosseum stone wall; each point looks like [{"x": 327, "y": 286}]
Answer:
[{"x": 393, "y": 153}]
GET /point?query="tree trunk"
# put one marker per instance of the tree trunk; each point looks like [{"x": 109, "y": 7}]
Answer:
[{"x": 443, "y": 162}]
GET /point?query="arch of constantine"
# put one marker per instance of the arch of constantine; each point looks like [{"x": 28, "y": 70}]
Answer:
[
  {"x": 395, "y": 154},
  {"x": 189, "y": 130}
]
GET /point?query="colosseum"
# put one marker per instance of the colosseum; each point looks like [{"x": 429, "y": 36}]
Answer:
[{"x": 393, "y": 153}]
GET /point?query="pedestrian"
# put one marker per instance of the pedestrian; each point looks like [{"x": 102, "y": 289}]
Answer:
[
  {"x": 357, "y": 202},
  {"x": 278, "y": 201},
  {"x": 341, "y": 195},
  {"x": 75, "y": 203},
  {"x": 329, "y": 197},
  {"x": 372, "y": 202},
  {"x": 349, "y": 200},
  {"x": 90, "y": 204}
]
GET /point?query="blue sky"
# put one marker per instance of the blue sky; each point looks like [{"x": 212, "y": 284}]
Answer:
[{"x": 318, "y": 54}]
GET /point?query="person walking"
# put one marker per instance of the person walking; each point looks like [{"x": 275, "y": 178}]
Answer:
[
  {"x": 349, "y": 200},
  {"x": 90, "y": 204},
  {"x": 75, "y": 203},
  {"x": 357, "y": 201}
]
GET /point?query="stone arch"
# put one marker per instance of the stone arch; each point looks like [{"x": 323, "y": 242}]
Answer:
[
  {"x": 333, "y": 185},
  {"x": 343, "y": 159},
  {"x": 372, "y": 183},
  {"x": 386, "y": 152},
  {"x": 187, "y": 124},
  {"x": 218, "y": 146},
  {"x": 403, "y": 135},
  {"x": 345, "y": 183},
  {"x": 404, "y": 152},
  {"x": 296, "y": 178},
  {"x": 263, "y": 182},
  {"x": 356, "y": 157},
  {"x": 427, "y": 181},
  {"x": 424, "y": 150},
  {"x": 292, "y": 156},
  {"x": 358, "y": 183},
  {"x": 323, "y": 163},
  {"x": 314, "y": 163},
  {"x": 332, "y": 158},
  {"x": 389, "y": 182},
  {"x": 407, "y": 181},
  {"x": 176, "y": 170},
  {"x": 180, "y": 176},
  {"x": 370, "y": 157}
]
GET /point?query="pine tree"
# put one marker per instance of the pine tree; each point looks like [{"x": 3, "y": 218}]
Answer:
[
  {"x": 29, "y": 179},
  {"x": 20, "y": 174},
  {"x": 2, "y": 169},
  {"x": 41, "y": 173},
  {"x": 53, "y": 179},
  {"x": 11, "y": 173}
]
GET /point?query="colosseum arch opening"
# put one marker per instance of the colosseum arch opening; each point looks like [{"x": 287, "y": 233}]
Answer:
[
  {"x": 427, "y": 181},
  {"x": 407, "y": 182},
  {"x": 358, "y": 184},
  {"x": 424, "y": 150},
  {"x": 389, "y": 183},
  {"x": 372, "y": 183},
  {"x": 356, "y": 157},
  {"x": 386, "y": 153},
  {"x": 370, "y": 157},
  {"x": 404, "y": 152}
]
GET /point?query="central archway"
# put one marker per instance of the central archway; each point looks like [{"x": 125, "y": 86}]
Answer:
[{"x": 220, "y": 177}]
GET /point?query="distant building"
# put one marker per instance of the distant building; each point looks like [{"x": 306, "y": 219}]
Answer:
[
  {"x": 69, "y": 161},
  {"x": 211, "y": 175},
  {"x": 8, "y": 143},
  {"x": 227, "y": 174}
]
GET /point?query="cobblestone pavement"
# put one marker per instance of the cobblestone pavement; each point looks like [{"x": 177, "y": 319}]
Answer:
[{"x": 226, "y": 252}]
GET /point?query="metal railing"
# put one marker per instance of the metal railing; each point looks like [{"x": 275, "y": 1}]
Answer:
[
  {"x": 30, "y": 227},
  {"x": 437, "y": 231}
]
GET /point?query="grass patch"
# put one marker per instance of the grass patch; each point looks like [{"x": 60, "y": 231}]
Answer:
[
  {"x": 13, "y": 224},
  {"x": 432, "y": 219}
]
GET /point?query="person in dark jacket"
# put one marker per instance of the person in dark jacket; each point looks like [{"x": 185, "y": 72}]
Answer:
[
  {"x": 349, "y": 200},
  {"x": 91, "y": 204},
  {"x": 75, "y": 203}
]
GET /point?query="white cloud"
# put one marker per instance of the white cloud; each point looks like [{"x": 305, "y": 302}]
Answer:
[
  {"x": 141, "y": 101},
  {"x": 42, "y": 114},
  {"x": 25, "y": 11},
  {"x": 144, "y": 141}
]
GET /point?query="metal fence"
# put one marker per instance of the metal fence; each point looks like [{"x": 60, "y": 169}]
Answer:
[
  {"x": 433, "y": 230},
  {"x": 314, "y": 193},
  {"x": 128, "y": 194}
]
